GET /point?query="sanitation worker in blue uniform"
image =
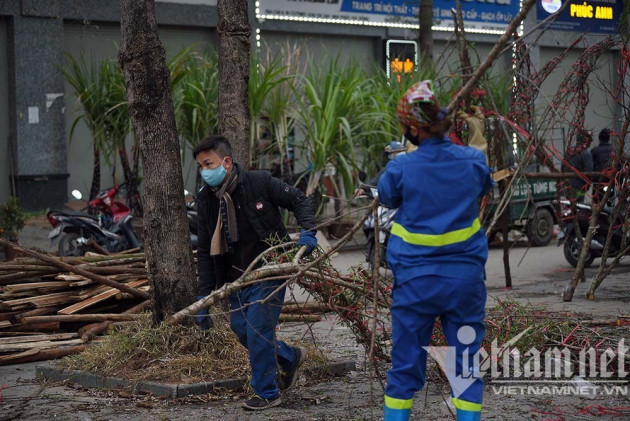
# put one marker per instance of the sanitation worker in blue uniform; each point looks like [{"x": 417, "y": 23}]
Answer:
[{"x": 437, "y": 252}]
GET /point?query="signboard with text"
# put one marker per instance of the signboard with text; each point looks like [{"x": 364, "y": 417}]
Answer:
[
  {"x": 598, "y": 16},
  {"x": 478, "y": 14}
]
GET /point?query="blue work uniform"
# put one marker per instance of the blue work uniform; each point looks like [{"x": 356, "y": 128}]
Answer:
[{"x": 437, "y": 252}]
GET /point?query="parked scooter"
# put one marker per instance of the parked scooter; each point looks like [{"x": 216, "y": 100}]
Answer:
[
  {"x": 568, "y": 236},
  {"x": 111, "y": 229},
  {"x": 385, "y": 221}
]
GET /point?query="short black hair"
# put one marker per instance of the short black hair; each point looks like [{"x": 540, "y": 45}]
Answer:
[
  {"x": 216, "y": 143},
  {"x": 604, "y": 135}
]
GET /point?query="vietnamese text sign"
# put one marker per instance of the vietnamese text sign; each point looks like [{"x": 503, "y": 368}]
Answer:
[{"x": 478, "y": 14}]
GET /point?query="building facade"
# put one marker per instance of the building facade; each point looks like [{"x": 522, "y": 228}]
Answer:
[{"x": 41, "y": 165}]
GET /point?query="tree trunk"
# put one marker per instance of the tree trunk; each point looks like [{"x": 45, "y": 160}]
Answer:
[
  {"x": 234, "y": 50},
  {"x": 136, "y": 159},
  {"x": 425, "y": 35},
  {"x": 169, "y": 258}
]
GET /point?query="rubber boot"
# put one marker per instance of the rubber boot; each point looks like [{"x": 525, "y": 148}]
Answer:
[
  {"x": 391, "y": 414},
  {"x": 468, "y": 415}
]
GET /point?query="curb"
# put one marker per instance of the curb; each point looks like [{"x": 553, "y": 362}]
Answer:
[{"x": 170, "y": 390}]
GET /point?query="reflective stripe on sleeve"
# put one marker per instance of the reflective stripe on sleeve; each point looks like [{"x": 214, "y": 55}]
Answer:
[
  {"x": 436, "y": 240},
  {"x": 398, "y": 403},
  {"x": 466, "y": 406}
]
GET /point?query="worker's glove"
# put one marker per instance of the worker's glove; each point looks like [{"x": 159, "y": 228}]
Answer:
[
  {"x": 202, "y": 318},
  {"x": 308, "y": 239}
]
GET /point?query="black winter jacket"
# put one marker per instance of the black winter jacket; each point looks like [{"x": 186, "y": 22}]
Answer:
[
  {"x": 582, "y": 162},
  {"x": 601, "y": 156},
  {"x": 262, "y": 194}
]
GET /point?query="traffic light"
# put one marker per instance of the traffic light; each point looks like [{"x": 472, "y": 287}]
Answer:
[{"x": 401, "y": 58}]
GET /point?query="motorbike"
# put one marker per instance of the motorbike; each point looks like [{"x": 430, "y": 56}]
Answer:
[
  {"x": 111, "y": 229},
  {"x": 385, "y": 221},
  {"x": 568, "y": 236}
]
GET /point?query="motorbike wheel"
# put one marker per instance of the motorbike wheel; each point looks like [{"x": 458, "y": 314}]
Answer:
[
  {"x": 68, "y": 245},
  {"x": 572, "y": 251},
  {"x": 540, "y": 228}
]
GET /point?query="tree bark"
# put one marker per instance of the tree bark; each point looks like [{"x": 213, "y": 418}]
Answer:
[
  {"x": 425, "y": 34},
  {"x": 169, "y": 258},
  {"x": 234, "y": 53}
]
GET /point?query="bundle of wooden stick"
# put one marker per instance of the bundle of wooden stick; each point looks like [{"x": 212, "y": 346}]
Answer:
[{"x": 50, "y": 307}]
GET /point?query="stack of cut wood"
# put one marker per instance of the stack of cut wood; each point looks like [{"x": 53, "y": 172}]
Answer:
[{"x": 49, "y": 305}]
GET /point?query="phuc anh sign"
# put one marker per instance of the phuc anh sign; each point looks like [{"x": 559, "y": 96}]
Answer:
[
  {"x": 598, "y": 16},
  {"x": 589, "y": 11}
]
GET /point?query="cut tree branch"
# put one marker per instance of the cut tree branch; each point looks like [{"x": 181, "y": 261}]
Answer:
[{"x": 494, "y": 53}]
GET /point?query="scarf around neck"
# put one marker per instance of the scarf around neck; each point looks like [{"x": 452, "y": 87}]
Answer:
[{"x": 226, "y": 231}]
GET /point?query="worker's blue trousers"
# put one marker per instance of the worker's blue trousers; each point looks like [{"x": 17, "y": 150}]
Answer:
[
  {"x": 460, "y": 305},
  {"x": 255, "y": 325}
]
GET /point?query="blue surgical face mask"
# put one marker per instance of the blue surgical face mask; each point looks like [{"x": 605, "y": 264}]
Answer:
[{"x": 215, "y": 176}]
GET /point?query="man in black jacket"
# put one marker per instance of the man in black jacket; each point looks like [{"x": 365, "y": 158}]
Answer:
[{"x": 238, "y": 212}]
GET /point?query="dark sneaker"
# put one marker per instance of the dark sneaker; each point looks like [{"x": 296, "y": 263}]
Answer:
[
  {"x": 286, "y": 380},
  {"x": 256, "y": 403}
]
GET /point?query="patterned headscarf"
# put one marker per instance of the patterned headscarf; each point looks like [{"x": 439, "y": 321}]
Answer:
[{"x": 408, "y": 111}]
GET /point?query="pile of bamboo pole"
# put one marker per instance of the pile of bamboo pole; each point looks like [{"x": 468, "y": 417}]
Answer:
[{"x": 51, "y": 307}]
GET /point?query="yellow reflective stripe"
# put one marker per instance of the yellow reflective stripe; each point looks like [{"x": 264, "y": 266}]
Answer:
[
  {"x": 436, "y": 240},
  {"x": 466, "y": 406},
  {"x": 394, "y": 403}
]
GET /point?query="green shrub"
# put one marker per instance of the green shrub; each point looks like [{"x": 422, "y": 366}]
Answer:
[{"x": 12, "y": 219}]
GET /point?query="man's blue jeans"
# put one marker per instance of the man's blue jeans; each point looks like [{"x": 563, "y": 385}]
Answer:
[{"x": 255, "y": 325}]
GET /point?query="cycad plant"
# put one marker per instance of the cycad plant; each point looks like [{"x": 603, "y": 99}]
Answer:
[
  {"x": 280, "y": 105},
  {"x": 118, "y": 127},
  {"x": 100, "y": 89},
  {"x": 383, "y": 93},
  {"x": 334, "y": 112},
  {"x": 265, "y": 76},
  {"x": 90, "y": 81},
  {"x": 194, "y": 79}
]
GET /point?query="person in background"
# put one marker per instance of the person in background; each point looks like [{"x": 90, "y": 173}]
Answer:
[
  {"x": 580, "y": 160},
  {"x": 437, "y": 252},
  {"x": 238, "y": 214},
  {"x": 602, "y": 154}
]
